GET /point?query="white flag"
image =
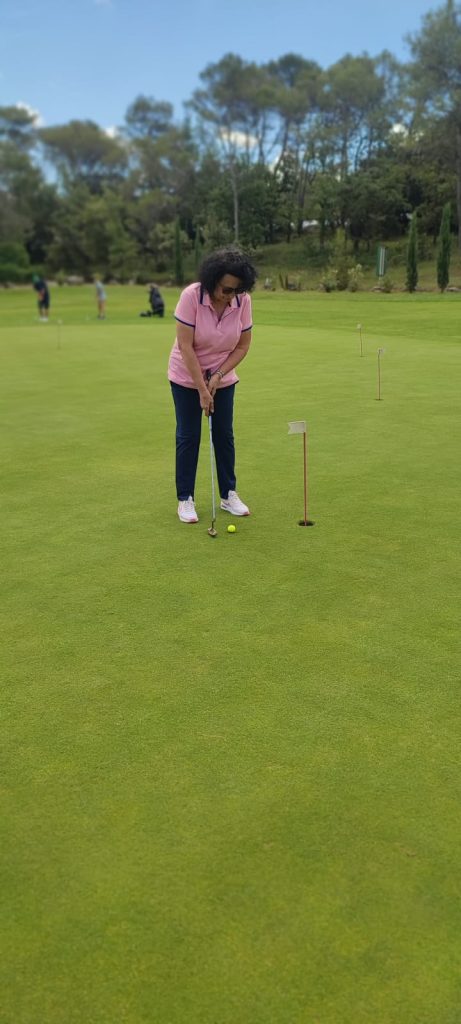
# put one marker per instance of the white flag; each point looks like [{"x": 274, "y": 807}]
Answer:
[{"x": 297, "y": 427}]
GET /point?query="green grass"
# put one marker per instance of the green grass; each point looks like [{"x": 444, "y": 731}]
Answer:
[{"x": 231, "y": 768}]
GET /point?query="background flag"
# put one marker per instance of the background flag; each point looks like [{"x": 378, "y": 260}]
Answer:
[{"x": 297, "y": 427}]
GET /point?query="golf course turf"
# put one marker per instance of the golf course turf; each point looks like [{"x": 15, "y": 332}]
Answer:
[{"x": 231, "y": 778}]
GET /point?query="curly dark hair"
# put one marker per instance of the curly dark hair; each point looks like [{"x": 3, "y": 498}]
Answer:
[{"x": 230, "y": 260}]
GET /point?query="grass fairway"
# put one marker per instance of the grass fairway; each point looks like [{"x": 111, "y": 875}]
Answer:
[{"x": 231, "y": 768}]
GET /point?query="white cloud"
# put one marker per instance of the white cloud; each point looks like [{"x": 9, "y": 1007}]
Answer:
[
  {"x": 238, "y": 139},
  {"x": 38, "y": 119},
  {"x": 111, "y": 131},
  {"x": 399, "y": 129}
]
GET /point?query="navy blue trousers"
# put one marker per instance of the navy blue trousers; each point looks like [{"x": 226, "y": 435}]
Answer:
[{"x": 188, "y": 431}]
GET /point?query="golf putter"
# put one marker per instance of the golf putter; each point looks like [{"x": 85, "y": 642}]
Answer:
[{"x": 212, "y": 531}]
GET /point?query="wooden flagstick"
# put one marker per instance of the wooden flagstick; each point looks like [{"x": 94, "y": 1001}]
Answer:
[
  {"x": 300, "y": 427},
  {"x": 359, "y": 328},
  {"x": 381, "y": 352}
]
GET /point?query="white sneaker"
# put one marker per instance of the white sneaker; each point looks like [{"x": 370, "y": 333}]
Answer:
[
  {"x": 233, "y": 504},
  {"x": 186, "y": 511}
]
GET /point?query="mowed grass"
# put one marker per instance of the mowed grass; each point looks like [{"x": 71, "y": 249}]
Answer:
[{"x": 231, "y": 782}]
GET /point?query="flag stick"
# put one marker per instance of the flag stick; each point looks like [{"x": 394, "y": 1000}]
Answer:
[
  {"x": 359, "y": 328},
  {"x": 300, "y": 427},
  {"x": 380, "y": 353}
]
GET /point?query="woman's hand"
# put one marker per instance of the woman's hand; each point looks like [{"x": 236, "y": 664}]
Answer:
[
  {"x": 213, "y": 382},
  {"x": 206, "y": 402}
]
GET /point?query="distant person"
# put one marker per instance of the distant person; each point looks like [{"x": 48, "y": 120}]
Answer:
[
  {"x": 101, "y": 298},
  {"x": 41, "y": 287},
  {"x": 157, "y": 304}
]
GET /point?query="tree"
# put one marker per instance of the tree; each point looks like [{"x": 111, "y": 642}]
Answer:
[
  {"x": 426, "y": 165},
  {"x": 147, "y": 118},
  {"x": 372, "y": 202},
  {"x": 178, "y": 260},
  {"x": 19, "y": 179},
  {"x": 27, "y": 202},
  {"x": 14, "y": 263},
  {"x": 436, "y": 78},
  {"x": 18, "y": 126},
  {"x": 232, "y": 111},
  {"x": 443, "y": 257},
  {"x": 149, "y": 221},
  {"x": 325, "y": 205},
  {"x": 298, "y": 85},
  {"x": 68, "y": 248},
  {"x": 359, "y": 106},
  {"x": 83, "y": 152},
  {"x": 412, "y": 256},
  {"x": 198, "y": 249}
]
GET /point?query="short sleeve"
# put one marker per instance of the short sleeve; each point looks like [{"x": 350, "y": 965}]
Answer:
[
  {"x": 186, "y": 310},
  {"x": 247, "y": 319}
]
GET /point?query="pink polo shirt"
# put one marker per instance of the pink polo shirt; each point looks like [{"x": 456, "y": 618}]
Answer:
[{"x": 214, "y": 339}]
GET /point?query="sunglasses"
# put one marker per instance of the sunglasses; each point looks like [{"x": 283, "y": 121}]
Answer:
[{"x": 232, "y": 291}]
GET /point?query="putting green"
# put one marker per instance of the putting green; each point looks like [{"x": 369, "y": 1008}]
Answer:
[{"x": 231, "y": 767}]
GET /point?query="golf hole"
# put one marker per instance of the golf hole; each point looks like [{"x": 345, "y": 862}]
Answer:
[{"x": 307, "y": 522}]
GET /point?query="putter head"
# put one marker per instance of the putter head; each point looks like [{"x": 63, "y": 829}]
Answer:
[{"x": 212, "y": 532}]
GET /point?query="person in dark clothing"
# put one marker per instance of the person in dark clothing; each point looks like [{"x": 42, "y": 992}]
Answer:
[
  {"x": 156, "y": 301},
  {"x": 41, "y": 287}
]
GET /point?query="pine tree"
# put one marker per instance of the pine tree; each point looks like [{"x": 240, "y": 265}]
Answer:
[
  {"x": 178, "y": 261},
  {"x": 412, "y": 256},
  {"x": 443, "y": 256}
]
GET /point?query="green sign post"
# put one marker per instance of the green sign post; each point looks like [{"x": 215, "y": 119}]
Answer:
[{"x": 381, "y": 261}]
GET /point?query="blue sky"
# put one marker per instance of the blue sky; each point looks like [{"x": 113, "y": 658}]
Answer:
[{"x": 91, "y": 58}]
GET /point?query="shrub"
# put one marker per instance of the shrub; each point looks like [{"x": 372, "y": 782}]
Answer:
[
  {"x": 10, "y": 273},
  {"x": 14, "y": 263},
  {"x": 387, "y": 284},
  {"x": 355, "y": 276},
  {"x": 342, "y": 277},
  {"x": 328, "y": 281},
  {"x": 13, "y": 254}
]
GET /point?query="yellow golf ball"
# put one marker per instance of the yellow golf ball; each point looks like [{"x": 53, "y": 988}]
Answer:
[{"x": 231, "y": 529}]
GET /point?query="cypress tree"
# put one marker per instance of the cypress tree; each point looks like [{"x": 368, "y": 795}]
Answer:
[
  {"x": 412, "y": 256},
  {"x": 197, "y": 250},
  {"x": 178, "y": 261},
  {"x": 443, "y": 256}
]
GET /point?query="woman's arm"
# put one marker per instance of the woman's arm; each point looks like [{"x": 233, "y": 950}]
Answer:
[
  {"x": 233, "y": 359},
  {"x": 185, "y": 339}
]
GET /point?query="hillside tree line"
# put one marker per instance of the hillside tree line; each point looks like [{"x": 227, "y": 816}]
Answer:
[{"x": 354, "y": 150}]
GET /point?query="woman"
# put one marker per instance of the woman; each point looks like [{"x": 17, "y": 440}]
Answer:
[
  {"x": 213, "y": 335},
  {"x": 101, "y": 298}
]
